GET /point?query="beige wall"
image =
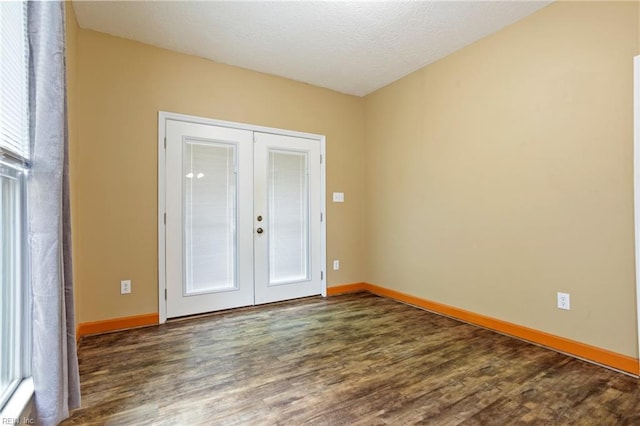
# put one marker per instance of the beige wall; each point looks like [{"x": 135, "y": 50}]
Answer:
[
  {"x": 503, "y": 174},
  {"x": 489, "y": 180},
  {"x": 121, "y": 87}
]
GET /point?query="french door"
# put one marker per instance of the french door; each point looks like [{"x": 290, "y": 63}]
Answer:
[
  {"x": 243, "y": 217},
  {"x": 287, "y": 249}
]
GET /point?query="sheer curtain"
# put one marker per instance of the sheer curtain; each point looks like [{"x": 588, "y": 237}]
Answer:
[{"x": 54, "y": 359}]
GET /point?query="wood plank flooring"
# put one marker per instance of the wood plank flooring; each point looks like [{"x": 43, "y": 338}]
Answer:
[{"x": 355, "y": 359}]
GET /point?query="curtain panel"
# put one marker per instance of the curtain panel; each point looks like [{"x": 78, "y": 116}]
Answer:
[{"x": 54, "y": 358}]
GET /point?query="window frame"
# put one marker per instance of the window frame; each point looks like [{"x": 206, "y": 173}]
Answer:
[{"x": 22, "y": 354}]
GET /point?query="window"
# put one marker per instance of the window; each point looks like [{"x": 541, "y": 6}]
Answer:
[{"x": 14, "y": 163}]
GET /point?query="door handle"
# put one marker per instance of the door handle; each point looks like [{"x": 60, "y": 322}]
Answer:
[{"x": 259, "y": 230}]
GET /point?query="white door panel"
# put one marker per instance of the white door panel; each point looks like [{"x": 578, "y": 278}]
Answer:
[
  {"x": 287, "y": 197},
  {"x": 209, "y": 239}
]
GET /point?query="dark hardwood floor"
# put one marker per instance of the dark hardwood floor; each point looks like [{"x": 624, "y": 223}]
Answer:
[{"x": 351, "y": 359}]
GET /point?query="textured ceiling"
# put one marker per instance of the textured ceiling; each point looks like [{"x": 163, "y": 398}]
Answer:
[{"x": 353, "y": 47}]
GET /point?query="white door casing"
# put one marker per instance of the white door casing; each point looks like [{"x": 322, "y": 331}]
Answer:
[
  {"x": 636, "y": 185},
  {"x": 184, "y": 142}
]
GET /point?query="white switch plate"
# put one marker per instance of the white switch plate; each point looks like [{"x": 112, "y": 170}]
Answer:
[
  {"x": 125, "y": 286},
  {"x": 336, "y": 265},
  {"x": 338, "y": 197},
  {"x": 564, "y": 301}
]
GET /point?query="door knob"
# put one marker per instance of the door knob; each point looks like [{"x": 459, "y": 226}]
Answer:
[
  {"x": 259, "y": 230},
  {"x": 259, "y": 218}
]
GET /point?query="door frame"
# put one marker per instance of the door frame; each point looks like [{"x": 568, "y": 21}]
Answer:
[
  {"x": 163, "y": 116},
  {"x": 636, "y": 186}
]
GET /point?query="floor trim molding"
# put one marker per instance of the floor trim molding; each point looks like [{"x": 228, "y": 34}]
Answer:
[
  {"x": 104, "y": 326},
  {"x": 346, "y": 288},
  {"x": 574, "y": 348}
]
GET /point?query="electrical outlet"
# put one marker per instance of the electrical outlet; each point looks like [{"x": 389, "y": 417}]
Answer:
[
  {"x": 336, "y": 265},
  {"x": 125, "y": 286},
  {"x": 564, "y": 301}
]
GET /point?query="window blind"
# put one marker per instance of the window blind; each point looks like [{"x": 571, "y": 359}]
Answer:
[{"x": 14, "y": 84}]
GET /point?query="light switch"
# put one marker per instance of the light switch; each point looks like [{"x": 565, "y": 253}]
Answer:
[{"x": 338, "y": 197}]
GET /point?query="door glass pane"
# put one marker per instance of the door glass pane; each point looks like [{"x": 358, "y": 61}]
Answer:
[
  {"x": 209, "y": 217},
  {"x": 288, "y": 217}
]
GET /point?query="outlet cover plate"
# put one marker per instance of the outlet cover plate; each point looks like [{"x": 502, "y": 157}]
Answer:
[
  {"x": 564, "y": 301},
  {"x": 125, "y": 286}
]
